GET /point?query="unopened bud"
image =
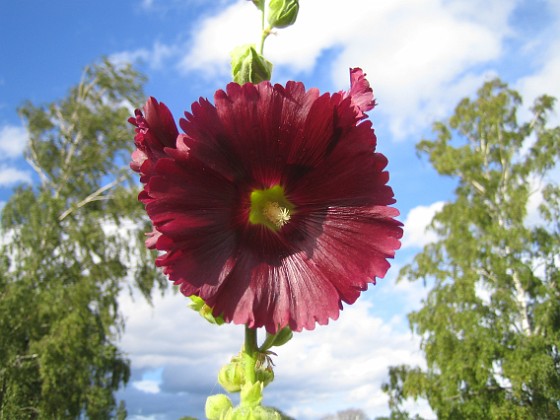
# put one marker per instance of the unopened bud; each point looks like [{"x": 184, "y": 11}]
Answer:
[
  {"x": 247, "y": 65},
  {"x": 282, "y": 13},
  {"x": 232, "y": 376},
  {"x": 217, "y": 406},
  {"x": 264, "y": 375}
]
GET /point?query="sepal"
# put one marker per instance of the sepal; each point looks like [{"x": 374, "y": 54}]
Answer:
[
  {"x": 197, "y": 304},
  {"x": 251, "y": 394},
  {"x": 277, "y": 340}
]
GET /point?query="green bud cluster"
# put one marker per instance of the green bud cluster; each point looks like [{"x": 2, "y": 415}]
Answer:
[
  {"x": 248, "y": 373},
  {"x": 248, "y": 413},
  {"x": 219, "y": 407},
  {"x": 232, "y": 377}
]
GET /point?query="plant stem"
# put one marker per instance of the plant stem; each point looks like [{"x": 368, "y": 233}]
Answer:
[
  {"x": 264, "y": 33},
  {"x": 250, "y": 354}
]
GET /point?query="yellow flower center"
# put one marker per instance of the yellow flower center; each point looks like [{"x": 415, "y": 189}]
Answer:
[{"x": 270, "y": 208}]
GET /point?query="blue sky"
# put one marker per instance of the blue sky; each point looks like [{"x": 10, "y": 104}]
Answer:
[{"x": 421, "y": 57}]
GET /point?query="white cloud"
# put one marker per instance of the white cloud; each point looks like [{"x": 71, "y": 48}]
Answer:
[
  {"x": 147, "y": 386},
  {"x": 13, "y": 140},
  {"x": 317, "y": 373},
  {"x": 10, "y": 176},
  {"x": 154, "y": 57},
  {"x": 168, "y": 332},
  {"x": 533, "y": 217},
  {"x": 546, "y": 80},
  {"x": 537, "y": 184},
  {"x": 341, "y": 366},
  {"x": 418, "y": 55},
  {"x": 417, "y": 220}
]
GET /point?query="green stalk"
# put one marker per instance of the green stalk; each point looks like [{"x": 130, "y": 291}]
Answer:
[
  {"x": 264, "y": 34},
  {"x": 250, "y": 354}
]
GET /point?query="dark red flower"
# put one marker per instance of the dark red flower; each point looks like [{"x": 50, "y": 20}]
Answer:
[{"x": 273, "y": 206}]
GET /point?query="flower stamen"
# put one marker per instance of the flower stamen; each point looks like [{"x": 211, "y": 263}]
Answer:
[{"x": 277, "y": 215}]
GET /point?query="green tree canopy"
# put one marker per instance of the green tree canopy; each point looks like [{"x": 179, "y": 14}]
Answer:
[
  {"x": 490, "y": 325},
  {"x": 69, "y": 243}
]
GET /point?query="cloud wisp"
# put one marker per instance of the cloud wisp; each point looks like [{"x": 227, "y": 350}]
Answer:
[
  {"x": 13, "y": 140},
  {"x": 416, "y": 223},
  {"x": 10, "y": 176}
]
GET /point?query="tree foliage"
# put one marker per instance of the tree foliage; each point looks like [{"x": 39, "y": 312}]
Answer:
[
  {"x": 490, "y": 325},
  {"x": 69, "y": 242}
]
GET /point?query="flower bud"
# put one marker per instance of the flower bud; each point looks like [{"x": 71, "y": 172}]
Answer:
[
  {"x": 217, "y": 406},
  {"x": 232, "y": 376},
  {"x": 264, "y": 375},
  {"x": 282, "y": 13},
  {"x": 247, "y": 65}
]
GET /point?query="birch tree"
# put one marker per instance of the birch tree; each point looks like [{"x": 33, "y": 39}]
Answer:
[
  {"x": 490, "y": 325},
  {"x": 69, "y": 242}
]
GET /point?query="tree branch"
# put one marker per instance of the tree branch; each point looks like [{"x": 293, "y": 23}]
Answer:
[{"x": 94, "y": 196}]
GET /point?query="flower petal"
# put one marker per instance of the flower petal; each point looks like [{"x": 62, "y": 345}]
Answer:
[
  {"x": 360, "y": 92},
  {"x": 154, "y": 131}
]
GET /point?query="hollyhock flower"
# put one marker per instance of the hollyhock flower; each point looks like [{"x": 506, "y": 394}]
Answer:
[{"x": 273, "y": 205}]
